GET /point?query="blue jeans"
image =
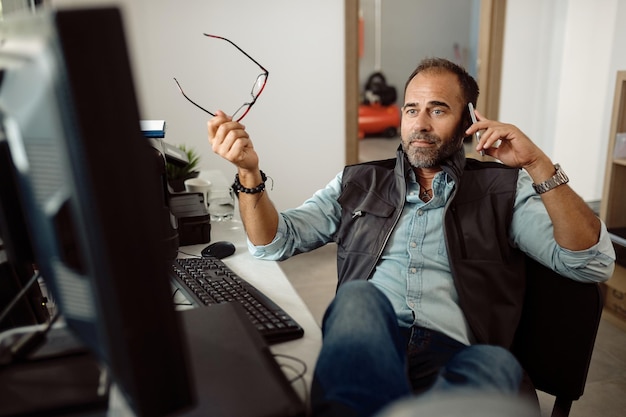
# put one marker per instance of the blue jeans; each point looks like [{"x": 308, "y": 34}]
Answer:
[{"x": 367, "y": 361}]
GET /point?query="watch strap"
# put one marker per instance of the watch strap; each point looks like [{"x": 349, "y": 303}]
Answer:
[{"x": 559, "y": 178}]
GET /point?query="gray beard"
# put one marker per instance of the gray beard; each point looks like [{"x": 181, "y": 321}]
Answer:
[{"x": 429, "y": 157}]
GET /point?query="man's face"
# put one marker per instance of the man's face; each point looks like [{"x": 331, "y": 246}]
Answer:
[{"x": 432, "y": 128}]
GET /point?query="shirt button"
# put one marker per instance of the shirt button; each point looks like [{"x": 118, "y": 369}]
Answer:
[
  {"x": 413, "y": 270},
  {"x": 420, "y": 212},
  {"x": 413, "y": 244}
]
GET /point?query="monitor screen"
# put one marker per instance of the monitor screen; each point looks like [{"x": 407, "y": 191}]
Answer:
[{"x": 92, "y": 198}]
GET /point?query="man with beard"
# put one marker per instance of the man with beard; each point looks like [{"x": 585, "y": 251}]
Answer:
[{"x": 430, "y": 247}]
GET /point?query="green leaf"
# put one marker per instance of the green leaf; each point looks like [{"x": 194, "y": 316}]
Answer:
[{"x": 175, "y": 172}]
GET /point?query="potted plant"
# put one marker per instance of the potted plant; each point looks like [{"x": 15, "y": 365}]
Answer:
[{"x": 176, "y": 174}]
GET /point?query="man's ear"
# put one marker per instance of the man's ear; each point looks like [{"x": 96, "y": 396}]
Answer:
[
  {"x": 466, "y": 122},
  {"x": 466, "y": 119}
]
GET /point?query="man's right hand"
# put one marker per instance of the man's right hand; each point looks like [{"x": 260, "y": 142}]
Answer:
[{"x": 230, "y": 140}]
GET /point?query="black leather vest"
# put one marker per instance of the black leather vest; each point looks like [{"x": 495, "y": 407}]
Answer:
[{"x": 489, "y": 274}]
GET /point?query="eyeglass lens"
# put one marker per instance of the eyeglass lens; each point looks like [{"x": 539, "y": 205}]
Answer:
[{"x": 257, "y": 88}]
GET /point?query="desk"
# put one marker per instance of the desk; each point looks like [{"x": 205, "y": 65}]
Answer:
[{"x": 269, "y": 278}]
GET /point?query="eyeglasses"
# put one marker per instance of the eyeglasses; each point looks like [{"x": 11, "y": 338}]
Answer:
[{"x": 257, "y": 87}]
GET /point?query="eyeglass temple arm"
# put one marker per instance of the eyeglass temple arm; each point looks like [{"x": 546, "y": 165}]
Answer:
[
  {"x": 240, "y": 50},
  {"x": 190, "y": 100}
]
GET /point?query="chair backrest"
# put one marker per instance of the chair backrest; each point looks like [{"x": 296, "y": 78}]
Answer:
[{"x": 557, "y": 332}]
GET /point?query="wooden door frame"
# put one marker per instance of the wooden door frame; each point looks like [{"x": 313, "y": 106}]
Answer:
[
  {"x": 351, "y": 8},
  {"x": 490, "y": 43}
]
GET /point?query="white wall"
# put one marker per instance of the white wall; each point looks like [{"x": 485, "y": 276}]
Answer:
[
  {"x": 298, "y": 122},
  {"x": 560, "y": 60},
  {"x": 410, "y": 30}
]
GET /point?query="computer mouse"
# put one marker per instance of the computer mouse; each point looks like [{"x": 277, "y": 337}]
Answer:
[{"x": 219, "y": 250}]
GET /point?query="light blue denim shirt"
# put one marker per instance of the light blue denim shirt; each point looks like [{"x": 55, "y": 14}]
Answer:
[{"x": 414, "y": 271}]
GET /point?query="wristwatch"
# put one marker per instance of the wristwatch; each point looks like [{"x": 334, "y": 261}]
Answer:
[{"x": 557, "y": 179}]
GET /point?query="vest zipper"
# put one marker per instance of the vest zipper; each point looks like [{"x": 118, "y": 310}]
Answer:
[{"x": 391, "y": 229}]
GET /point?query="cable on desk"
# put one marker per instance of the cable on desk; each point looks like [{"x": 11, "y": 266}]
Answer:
[
  {"x": 26, "y": 344},
  {"x": 189, "y": 254},
  {"x": 31, "y": 342},
  {"x": 179, "y": 304},
  {"x": 299, "y": 374},
  {"x": 19, "y": 296}
]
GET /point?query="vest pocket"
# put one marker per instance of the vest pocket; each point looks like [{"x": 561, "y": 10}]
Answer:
[{"x": 363, "y": 218}]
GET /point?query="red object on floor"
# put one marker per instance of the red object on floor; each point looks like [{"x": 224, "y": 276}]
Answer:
[{"x": 375, "y": 118}]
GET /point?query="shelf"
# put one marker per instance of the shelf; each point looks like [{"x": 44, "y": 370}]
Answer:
[
  {"x": 614, "y": 291},
  {"x": 613, "y": 202}
]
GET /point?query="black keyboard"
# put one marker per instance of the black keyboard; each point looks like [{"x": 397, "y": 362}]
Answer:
[{"x": 207, "y": 280}]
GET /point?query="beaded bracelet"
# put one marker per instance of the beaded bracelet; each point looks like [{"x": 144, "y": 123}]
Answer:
[{"x": 237, "y": 187}]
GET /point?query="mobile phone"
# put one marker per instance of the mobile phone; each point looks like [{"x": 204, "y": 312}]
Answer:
[{"x": 470, "y": 106}]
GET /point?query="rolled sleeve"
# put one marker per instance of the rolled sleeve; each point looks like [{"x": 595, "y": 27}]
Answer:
[
  {"x": 304, "y": 228},
  {"x": 273, "y": 251},
  {"x": 595, "y": 264},
  {"x": 532, "y": 232}
]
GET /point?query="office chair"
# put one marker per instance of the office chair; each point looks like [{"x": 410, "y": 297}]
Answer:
[{"x": 556, "y": 334}]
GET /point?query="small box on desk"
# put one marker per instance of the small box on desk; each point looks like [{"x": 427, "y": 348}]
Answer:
[
  {"x": 614, "y": 291},
  {"x": 194, "y": 230},
  {"x": 153, "y": 128},
  {"x": 194, "y": 221}
]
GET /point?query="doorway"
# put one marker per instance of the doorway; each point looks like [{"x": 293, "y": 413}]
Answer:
[{"x": 486, "y": 61}]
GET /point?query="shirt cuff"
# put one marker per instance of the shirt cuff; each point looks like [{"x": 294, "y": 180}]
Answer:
[
  {"x": 595, "y": 264},
  {"x": 273, "y": 250}
]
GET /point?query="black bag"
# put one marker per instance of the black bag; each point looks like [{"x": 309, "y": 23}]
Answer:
[{"x": 377, "y": 90}]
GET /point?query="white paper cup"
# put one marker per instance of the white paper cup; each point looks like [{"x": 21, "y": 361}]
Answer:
[{"x": 199, "y": 185}]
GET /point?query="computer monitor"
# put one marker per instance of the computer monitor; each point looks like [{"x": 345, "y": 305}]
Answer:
[
  {"x": 92, "y": 202},
  {"x": 22, "y": 302}
]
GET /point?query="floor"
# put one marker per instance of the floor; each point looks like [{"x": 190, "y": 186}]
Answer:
[{"x": 314, "y": 277}]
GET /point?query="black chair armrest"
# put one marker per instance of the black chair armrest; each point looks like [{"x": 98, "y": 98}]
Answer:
[{"x": 555, "y": 337}]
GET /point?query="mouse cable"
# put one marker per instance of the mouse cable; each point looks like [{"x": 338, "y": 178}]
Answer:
[{"x": 189, "y": 254}]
